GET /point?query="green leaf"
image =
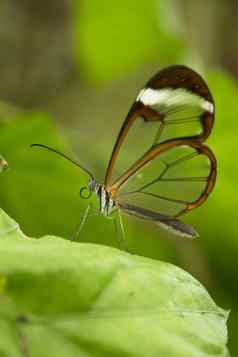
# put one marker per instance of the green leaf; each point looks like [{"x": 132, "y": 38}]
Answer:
[
  {"x": 39, "y": 185},
  {"x": 224, "y": 143},
  {"x": 69, "y": 299}
]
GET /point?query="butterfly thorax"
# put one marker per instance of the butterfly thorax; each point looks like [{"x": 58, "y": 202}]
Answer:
[{"x": 106, "y": 202}]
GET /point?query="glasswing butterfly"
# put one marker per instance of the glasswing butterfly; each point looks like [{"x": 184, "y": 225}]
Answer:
[{"x": 174, "y": 171}]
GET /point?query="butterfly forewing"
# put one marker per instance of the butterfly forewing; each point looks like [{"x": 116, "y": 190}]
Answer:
[
  {"x": 159, "y": 160},
  {"x": 176, "y": 102}
]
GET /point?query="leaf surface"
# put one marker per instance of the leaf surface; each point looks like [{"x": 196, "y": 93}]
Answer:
[{"x": 67, "y": 299}]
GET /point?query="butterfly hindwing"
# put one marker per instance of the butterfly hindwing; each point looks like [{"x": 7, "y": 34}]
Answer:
[
  {"x": 169, "y": 223},
  {"x": 177, "y": 179}
]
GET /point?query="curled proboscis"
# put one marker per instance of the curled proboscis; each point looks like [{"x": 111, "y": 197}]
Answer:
[{"x": 85, "y": 193}]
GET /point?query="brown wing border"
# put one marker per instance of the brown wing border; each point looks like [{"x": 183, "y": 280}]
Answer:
[{"x": 177, "y": 76}]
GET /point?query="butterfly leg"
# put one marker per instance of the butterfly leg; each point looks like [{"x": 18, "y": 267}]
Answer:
[
  {"x": 120, "y": 231},
  {"x": 83, "y": 219}
]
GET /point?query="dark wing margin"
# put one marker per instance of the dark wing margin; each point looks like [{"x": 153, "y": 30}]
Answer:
[
  {"x": 171, "y": 224},
  {"x": 175, "y": 95}
]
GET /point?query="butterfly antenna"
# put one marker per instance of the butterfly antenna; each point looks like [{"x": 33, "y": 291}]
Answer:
[{"x": 64, "y": 156}]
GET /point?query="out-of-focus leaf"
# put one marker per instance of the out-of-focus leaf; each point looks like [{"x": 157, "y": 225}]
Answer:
[
  {"x": 67, "y": 299},
  {"x": 223, "y": 201},
  {"x": 110, "y": 43},
  {"x": 224, "y": 88},
  {"x": 39, "y": 185},
  {"x": 219, "y": 214}
]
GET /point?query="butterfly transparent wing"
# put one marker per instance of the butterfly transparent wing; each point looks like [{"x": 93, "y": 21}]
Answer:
[
  {"x": 174, "y": 182},
  {"x": 175, "y": 103},
  {"x": 153, "y": 159}
]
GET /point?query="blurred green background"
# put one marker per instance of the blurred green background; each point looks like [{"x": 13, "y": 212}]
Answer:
[{"x": 69, "y": 72}]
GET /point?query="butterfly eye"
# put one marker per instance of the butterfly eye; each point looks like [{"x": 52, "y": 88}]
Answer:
[{"x": 85, "y": 193}]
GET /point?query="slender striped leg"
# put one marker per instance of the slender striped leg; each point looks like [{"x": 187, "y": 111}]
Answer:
[
  {"x": 120, "y": 232},
  {"x": 79, "y": 228},
  {"x": 114, "y": 219}
]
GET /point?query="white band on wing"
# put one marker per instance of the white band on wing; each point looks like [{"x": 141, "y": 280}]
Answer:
[{"x": 169, "y": 97}]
